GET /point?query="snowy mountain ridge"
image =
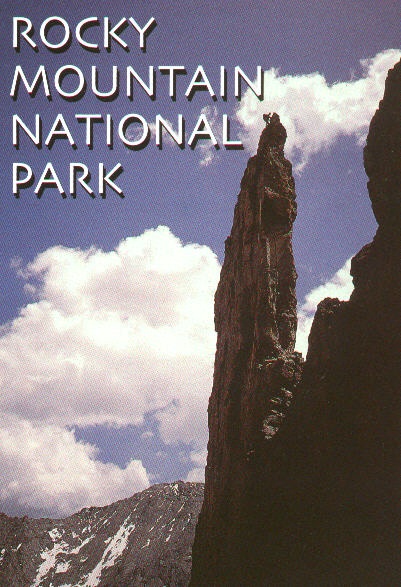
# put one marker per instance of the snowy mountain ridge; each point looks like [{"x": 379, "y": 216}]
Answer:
[{"x": 143, "y": 540}]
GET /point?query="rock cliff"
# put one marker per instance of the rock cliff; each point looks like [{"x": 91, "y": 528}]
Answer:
[
  {"x": 256, "y": 368},
  {"x": 349, "y": 412},
  {"x": 303, "y": 482}
]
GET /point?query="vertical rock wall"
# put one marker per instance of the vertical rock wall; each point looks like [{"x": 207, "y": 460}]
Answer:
[
  {"x": 343, "y": 440},
  {"x": 306, "y": 490},
  {"x": 349, "y": 409},
  {"x": 255, "y": 367}
]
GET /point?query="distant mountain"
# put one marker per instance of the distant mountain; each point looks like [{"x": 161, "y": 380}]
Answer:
[{"x": 144, "y": 540}]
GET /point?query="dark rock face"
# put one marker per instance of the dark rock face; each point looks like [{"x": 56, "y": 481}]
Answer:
[
  {"x": 318, "y": 502},
  {"x": 143, "y": 540},
  {"x": 256, "y": 368},
  {"x": 346, "y": 437},
  {"x": 382, "y": 156},
  {"x": 360, "y": 395}
]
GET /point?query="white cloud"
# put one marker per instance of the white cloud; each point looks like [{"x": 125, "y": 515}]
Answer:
[
  {"x": 45, "y": 470},
  {"x": 314, "y": 112},
  {"x": 198, "y": 472},
  {"x": 339, "y": 286},
  {"x": 110, "y": 337}
]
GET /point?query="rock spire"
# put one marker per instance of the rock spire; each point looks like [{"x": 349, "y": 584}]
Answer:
[
  {"x": 256, "y": 368},
  {"x": 303, "y": 482}
]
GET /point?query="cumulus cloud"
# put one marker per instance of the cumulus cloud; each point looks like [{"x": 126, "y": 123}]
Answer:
[
  {"x": 108, "y": 338},
  {"x": 314, "y": 112},
  {"x": 45, "y": 471},
  {"x": 339, "y": 286},
  {"x": 197, "y": 474}
]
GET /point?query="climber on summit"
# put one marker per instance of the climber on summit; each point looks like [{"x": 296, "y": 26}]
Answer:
[{"x": 267, "y": 118}]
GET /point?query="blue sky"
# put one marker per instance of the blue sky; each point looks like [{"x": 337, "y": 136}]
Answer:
[{"x": 106, "y": 357}]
